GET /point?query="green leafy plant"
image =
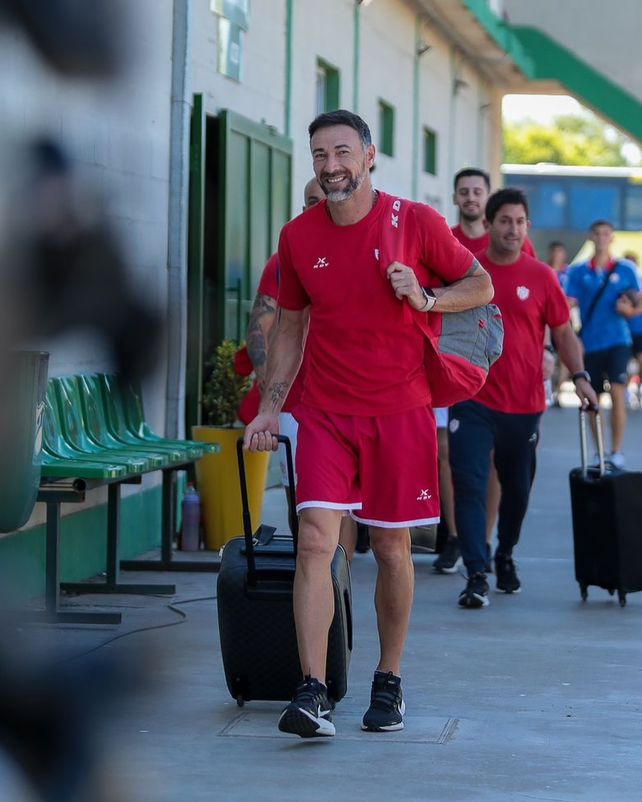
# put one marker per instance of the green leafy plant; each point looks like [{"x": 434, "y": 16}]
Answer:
[{"x": 224, "y": 389}]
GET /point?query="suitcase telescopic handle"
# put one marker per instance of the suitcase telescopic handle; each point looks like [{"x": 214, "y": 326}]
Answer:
[
  {"x": 584, "y": 440},
  {"x": 247, "y": 517}
]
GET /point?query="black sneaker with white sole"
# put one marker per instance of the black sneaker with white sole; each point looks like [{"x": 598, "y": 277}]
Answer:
[
  {"x": 387, "y": 706},
  {"x": 507, "y": 579},
  {"x": 309, "y": 714},
  {"x": 475, "y": 594},
  {"x": 449, "y": 560}
]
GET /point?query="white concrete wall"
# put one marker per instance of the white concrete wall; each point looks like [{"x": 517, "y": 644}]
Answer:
[
  {"x": 260, "y": 95},
  {"x": 387, "y": 42},
  {"x": 117, "y": 135}
]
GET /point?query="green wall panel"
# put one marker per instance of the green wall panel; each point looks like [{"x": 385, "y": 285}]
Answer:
[{"x": 82, "y": 545}]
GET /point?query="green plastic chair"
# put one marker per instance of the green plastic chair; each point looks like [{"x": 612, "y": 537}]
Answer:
[
  {"x": 112, "y": 418},
  {"x": 129, "y": 404},
  {"x": 70, "y": 426},
  {"x": 60, "y": 462},
  {"x": 96, "y": 429}
]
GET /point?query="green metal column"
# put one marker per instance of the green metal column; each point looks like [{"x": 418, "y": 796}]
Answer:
[{"x": 194, "y": 373}]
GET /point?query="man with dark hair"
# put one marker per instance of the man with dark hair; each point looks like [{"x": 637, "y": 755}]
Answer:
[
  {"x": 503, "y": 418},
  {"x": 606, "y": 290},
  {"x": 366, "y": 432},
  {"x": 471, "y": 190}
]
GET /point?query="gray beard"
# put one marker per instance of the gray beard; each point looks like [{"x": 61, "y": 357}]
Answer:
[{"x": 340, "y": 195}]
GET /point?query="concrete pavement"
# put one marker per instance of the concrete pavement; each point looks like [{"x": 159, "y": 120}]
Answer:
[{"x": 536, "y": 697}]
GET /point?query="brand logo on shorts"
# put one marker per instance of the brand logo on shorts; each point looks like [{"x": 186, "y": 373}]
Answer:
[
  {"x": 376, "y": 253},
  {"x": 523, "y": 293},
  {"x": 424, "y": 495},
  {"x": 321, "y": 262},
  {"x": 453, "y": 425}
]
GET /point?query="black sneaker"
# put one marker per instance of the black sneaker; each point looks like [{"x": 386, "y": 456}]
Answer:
[
  {"x": 309, "y": 714},
  {"x": 387, "y": 706},
  {"x": 475, "y": 594},
  {"x": 450, "y": 558},
  {"x": 507, "y": 579}
]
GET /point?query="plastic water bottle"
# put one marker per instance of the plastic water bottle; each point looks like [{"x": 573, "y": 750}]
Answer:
[{"x": 191, "y": 528}]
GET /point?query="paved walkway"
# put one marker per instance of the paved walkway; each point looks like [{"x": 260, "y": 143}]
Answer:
[{"x": 537, "y": 697}]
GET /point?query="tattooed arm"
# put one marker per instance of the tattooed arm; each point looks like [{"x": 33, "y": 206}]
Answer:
[
  {"x": 283, "y": 361},
  {"x": 261, "y": 321}
]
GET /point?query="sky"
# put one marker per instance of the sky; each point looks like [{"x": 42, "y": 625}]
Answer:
[{"x": 543, "y": 108}]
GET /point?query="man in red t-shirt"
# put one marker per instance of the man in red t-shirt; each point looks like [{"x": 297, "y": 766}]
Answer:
[
  {"x": 366, "y": 432},
  {"x": 504, "y": 415},
  {"x": 471, "y": 188},
  {"x": 260, "y": 324}
]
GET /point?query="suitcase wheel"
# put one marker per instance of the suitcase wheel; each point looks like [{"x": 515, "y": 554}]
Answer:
[
  {"x": 240, "y": 701},
  {"x": 584, "y": 592},
  {"x": 622, "y": 597}
]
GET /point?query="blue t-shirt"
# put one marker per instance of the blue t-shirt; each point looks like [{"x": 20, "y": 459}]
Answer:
[
  {"x": 635, "y": 325},
  {"x": 606, "y": 328}
]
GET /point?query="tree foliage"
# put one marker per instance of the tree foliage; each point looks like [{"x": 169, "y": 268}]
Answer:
[{"x": 569, "y": 140}]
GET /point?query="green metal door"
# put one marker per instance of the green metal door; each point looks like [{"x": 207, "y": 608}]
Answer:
[
  {"x": 240, "y": 179},
  {"x": 255, "y": 173}
]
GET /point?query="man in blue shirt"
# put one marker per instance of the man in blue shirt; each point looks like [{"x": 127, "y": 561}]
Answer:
[{"x": 607, "y": 292}]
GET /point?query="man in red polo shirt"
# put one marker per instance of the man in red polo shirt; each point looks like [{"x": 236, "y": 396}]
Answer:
[
  {"x": 366, "y": 433},
  {"x": 504, "y": 415}
]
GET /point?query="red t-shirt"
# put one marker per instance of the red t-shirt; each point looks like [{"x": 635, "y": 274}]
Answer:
[
  {"x": 269, "y": 285},
  {"x": 363, "y": 356},
  {"x": 481, "y": 243},
  {"x": 530, "y": 298}
]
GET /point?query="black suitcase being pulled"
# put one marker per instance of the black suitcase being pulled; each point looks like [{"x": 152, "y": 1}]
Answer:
[
  {"x": 255, "y": 616},
  {"x": 607, "y": 523}
]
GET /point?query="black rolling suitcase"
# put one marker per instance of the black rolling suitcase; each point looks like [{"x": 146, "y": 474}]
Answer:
[
  {"x": 607, "y": 518},
  {"x": 255, "y": 616}
]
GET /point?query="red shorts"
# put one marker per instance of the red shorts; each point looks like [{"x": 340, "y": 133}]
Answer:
[{"x": 384, "y": 467}]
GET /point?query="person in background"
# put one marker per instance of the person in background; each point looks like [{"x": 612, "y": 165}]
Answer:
[
  {"x": 503, "y": 418},
  {"x": 471, "y": 188},
  {"x": 635, "y": 325},
  {"x": 558, "y": 259},
  {"x": 262, "y": 318},
  {"x": 607, "y": 292}
]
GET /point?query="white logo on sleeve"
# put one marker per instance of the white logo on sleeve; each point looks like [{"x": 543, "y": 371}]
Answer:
[
  {"x": 321, "y": 262},
  {"x": 424, "y": 495},
  {"x": 614, "y": 278},
  {"x": 523, "y": 293}
]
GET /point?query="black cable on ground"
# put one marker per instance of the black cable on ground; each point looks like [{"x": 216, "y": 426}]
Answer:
[{"x": 138, "y": 630}]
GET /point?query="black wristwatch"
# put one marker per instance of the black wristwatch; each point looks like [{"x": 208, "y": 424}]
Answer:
[{"x": 581, "y": 374}]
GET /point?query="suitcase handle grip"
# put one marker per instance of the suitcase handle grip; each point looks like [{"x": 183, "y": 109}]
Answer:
[
  {"x": 247, "y": 518},
  {"x": 583, "y": 440}
]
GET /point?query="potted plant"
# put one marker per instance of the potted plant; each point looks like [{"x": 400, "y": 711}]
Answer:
[{"x": 217, "y": 474}]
